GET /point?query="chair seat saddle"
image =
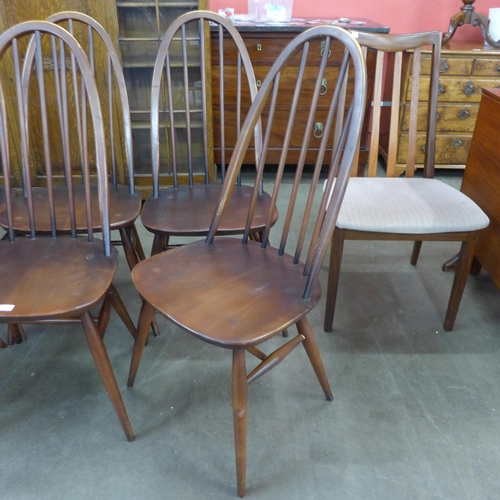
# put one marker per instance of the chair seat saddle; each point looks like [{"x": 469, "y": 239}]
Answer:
[
  {"x": 408, "y": 206},
  {"x": 188, "y": 210},
  {"x": 124, "y": 208},
  {"x": 53, "y": 277},
  {"x": 226, "y": 293}
]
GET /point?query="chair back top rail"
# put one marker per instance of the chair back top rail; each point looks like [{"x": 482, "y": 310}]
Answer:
[
  {"x": 298, "y": 57},
  {"x": 397, "y": 45},
  {"x": 168, "y": 60},
  {"x": 114, "y": 79},
  {"x": 62, "y": 41}
]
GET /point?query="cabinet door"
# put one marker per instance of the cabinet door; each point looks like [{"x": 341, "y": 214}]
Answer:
[
  {"x": 141, "y": 25},
  {"x": 16, "y": 11}
]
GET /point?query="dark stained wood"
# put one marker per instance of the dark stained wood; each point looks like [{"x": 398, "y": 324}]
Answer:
[
  {"x": 59, "y": 277},
  {"x": 187, "y": 209},
  {"x": 237, "y": 293},
  {"x": 481, "y": 180},
  {"x": 395, "y": 45}
]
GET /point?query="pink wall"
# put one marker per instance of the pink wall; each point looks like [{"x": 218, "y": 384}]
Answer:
[{"x": 402, "y": 16}]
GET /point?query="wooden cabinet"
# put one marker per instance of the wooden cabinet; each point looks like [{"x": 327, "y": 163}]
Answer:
[
  {"x": 264, "y": 43},
  {"x": 464, "y": 71},
  {"x": 141, "y": 25}
]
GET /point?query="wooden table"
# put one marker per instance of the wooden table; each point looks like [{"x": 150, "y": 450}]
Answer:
[{"x": 481, "y": 180}]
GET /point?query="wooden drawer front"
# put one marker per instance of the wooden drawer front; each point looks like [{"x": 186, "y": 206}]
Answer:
[
  {"x": 450, "y": 149},
  {"x": 448, "y": 66},
  {"x": 265, "y": 50},
  {"x": 279, "y": 127},
  {"x": 451, "y": 118},
  {"x": 487, "y": 67},
  {"x": 287, "y": 85},
  {"x": 456, "y": 89}
]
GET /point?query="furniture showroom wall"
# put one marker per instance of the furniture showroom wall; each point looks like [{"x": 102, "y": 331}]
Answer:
[{"x": 402, "y": 16}]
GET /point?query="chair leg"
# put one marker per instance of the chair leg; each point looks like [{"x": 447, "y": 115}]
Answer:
[
  {"x": 137, "y": 242},
  {"x": 158, "y": 244},
  {"x": 100, "y": 355},
  {"x": 145, "y": 317},
  {"x": 128, "y": 246},
  {"x": 240, "y": 404},
  {"x": 417, "y": 245},
  {"x": 464, "y": 264},
  {"x": 312, "y": 351},
  {"x": 16, "y": 334},
  {"x": 120, "y": 308},
  {"x": 336, "y": 249}
]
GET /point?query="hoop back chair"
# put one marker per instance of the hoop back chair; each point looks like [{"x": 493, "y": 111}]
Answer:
[
  {"x": 236, "y": 293},
  {"x": 50, "y": 278},
  {"x": 407, "y": 208},
  {"x": 187, "y": 208},
  {"x": 124, "y": 202}
]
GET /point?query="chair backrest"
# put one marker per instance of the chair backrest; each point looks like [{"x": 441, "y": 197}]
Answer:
[
  {"x": 108, "y": 72},
  {"x": 399, "y": 68},
  {"x": 49, "y": 89},
  {"x": 297, "y": 76},
  {"x": 181, "y": 97}
]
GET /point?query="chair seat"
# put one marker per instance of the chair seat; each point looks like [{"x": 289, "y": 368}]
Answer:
[
  {"x": 53, "y": 277},
  {"x": 124, "y": 208},
  {"x": 408, "y": 206},
  {"x": 188, "y": 210},
  {"x": 228, "y": 294}
]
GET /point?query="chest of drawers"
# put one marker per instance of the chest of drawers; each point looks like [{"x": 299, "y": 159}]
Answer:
[
  {"x": 465, "y": 70},
  {"x": 264, "y": 43}
]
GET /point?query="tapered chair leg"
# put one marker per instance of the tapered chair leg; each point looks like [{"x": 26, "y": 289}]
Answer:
[
  {"x": 137, "y": 242},
  {"x": 100, "y": 355},
  {"x": 128, "y": 246},
  {"x": 239, "y": 396},
  {"x": 336, "y": 249},
  {"x": 145, "y": 317},
  {"x": 158, "y": 244},
  {"x": 464, "y": 264},
  {"x": 417, "y": 245}
]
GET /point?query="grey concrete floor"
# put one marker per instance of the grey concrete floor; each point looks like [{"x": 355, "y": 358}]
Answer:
[{"x": 415, "y": 414}]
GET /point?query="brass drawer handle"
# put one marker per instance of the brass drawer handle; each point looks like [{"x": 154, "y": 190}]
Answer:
[
  {"x": 318, "y": 130},
  {"x": 457, "y": 143},
  {"x": 323, "y": 50},
  {"x": 259, "y": 47},
  {"x": 441, "y": 89},
  {"x": 324, "y": 87},
  {"x": 464, "y": 114},
  {"x": 443, "y": 66},
  {"x": 468, "y": 88}
]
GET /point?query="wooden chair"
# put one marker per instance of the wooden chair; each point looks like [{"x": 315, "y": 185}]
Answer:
[
  {"x": 54, "y": 277},
  {"x": 410, "y": 209},
  {"x": 187, "y": 208},
  {"x": 124, "y": 202},
  {"x": 237, "y": 293}
]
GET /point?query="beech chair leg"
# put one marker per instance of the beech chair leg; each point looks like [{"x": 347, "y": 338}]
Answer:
[
  {"x": 104, "y": 315},
  {"x": 240, "y": 404},
  {"x": 158, "y": 244},
  {"x": 128, "y": 246},
  {"x": 120, "y": 308},
  {"x": 16, "y": 334},
  {"x": 464, "y": 264},
  {"x": 312, "y": 351},
  {"x": 137, "y": 242},
  {"x": 417, "y": 245},
  {"x": 336, "y": 249},
  {"x": 145, "y": 317},
  {"x": 100, "y": 355}
]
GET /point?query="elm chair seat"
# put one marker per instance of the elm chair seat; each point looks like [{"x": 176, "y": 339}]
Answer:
[
  {"x": 408, "y": 206},
  {"x": 188, "y": 210},
  {"x": 123, "y": 209}
]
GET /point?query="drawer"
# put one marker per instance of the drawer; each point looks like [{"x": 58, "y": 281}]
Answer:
[
  {"x": 287, "y": 84},
  {"x": 448, "y": 66},
  {"x": 279, "y": 127},
  {"x": 487, "y": 67},
  {"x": 451, "y": 118},
  {"x": 265, "y": 50},
  {"x": 456, "y": 89},
  {"x": 450, "y": 149}
]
